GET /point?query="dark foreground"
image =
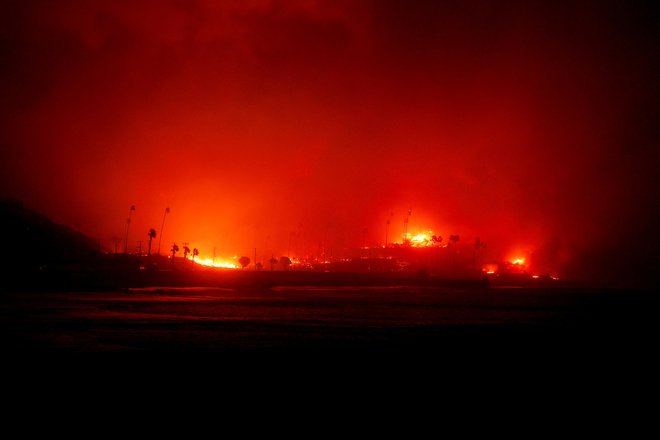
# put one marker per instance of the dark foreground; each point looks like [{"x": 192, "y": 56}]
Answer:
[
  {"x": 347, "y": 347},
  {"x": 419, "y": 321}
]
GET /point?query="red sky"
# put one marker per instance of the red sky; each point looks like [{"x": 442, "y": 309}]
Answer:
[{"x": 521, "y": 122}]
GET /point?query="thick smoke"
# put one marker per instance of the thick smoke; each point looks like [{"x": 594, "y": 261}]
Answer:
[{"x": 530, "y": 125}]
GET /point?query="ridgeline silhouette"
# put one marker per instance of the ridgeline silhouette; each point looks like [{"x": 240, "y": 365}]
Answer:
[
  {"x": 33, "y": 240},
  {"x": 50, "y": 257}
]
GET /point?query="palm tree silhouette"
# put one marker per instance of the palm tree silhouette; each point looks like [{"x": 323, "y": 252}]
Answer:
[
  {"x": 186, "y": 251},
  {"x": 152, "y": 235},
  {"x": 195, "y": 253},
  {"x": 174, "y": 250}
]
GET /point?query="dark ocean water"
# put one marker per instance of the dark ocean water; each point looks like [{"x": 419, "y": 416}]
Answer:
[
  {"x": 424, "y": 321},
  {"x": 399, "y": 347}
]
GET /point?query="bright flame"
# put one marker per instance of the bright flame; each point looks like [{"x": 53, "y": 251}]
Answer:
[
  {"x": 516, "y": 265},
  {"x": 421, "y": 239},
  {"x": 217, "y": 263},
  {"x": 489, "y": 268}
]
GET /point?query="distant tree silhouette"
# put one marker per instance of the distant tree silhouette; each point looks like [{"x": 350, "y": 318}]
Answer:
[
  {"x": 273, "y": 262},
  {"x": 286, "y": 262},
  {"x": 454, "y": 239},
  {"x": 244, "y": 261},
  {"x": 436, "y": 239},
  {"x": 195, "y": 253},
  {"x": 152, "y": 235},
  {"x": 186, "y": 251}
]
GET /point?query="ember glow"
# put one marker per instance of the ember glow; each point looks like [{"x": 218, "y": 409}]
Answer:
[
  {"x": 490, "y": 269},
  {"x": 209, "y": 262},
  {"x": 421, "y": 239},
  {"x": 307, "y": 127}
]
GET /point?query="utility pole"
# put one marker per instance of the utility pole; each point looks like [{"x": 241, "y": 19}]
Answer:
[
  {"x": 139, "y": 248},
  {"x": 387, "y": 230},
  {"x": 167, "y": 211},
  {"x": 387, "y": 227},
  {"x": 128, "y": 224},
  {"x": 405, "y": 228}
]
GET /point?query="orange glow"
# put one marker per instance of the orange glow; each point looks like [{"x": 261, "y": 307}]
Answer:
[
  {"x": 311, "y": 128},
  {"x": 489, "y": 268},
  {"x": 226, "y": 264},
  {"x": 421, "y": 239},
  {"x": 516, "y": 265}
]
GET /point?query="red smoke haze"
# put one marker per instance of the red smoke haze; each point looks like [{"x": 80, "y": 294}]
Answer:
[{"x": 528, "y": 124}]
